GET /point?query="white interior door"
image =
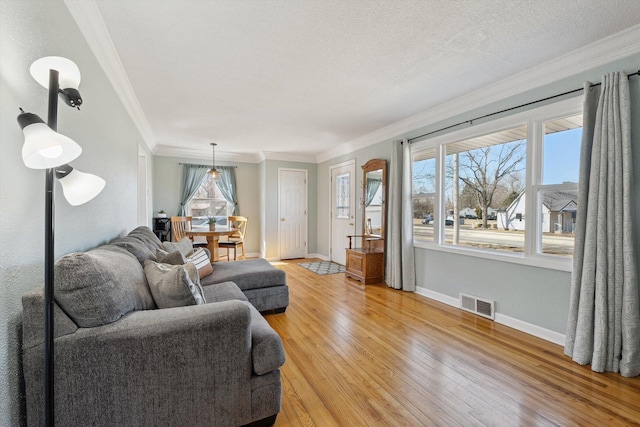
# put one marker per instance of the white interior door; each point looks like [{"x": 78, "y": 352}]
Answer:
[
  {"x": 292, "y": 195},
  {"x": 343, "y": 202}
]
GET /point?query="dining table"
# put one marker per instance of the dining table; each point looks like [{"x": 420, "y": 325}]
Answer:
[{"x": 212, "y": 237}]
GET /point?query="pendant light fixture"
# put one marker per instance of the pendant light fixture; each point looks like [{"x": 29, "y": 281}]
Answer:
[{"x": 213, "y": 171}]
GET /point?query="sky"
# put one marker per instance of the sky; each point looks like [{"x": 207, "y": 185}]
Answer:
[{"x": 562, "y": 156}]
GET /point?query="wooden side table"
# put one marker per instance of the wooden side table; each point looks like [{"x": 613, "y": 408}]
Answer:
[{"x": 365, "y": 265}]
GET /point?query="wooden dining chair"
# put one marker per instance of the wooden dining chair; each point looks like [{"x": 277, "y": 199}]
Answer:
[
  {"x": 235, "y": 240},
  {"x": 179, "y": 227}
]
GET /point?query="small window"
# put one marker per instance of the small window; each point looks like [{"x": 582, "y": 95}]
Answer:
[
  {"x": 342, "y": 196},
  {"x": 558, "y": 194},
  {"x": 424, "y": 191},
  {"x": 208, "y": 201}
]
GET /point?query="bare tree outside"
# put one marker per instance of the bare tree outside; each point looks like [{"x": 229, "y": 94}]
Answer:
[{"x": 484, "y": 169}]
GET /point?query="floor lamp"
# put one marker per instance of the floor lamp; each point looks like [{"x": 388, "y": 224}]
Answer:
[{"x": 44, "y": 148}]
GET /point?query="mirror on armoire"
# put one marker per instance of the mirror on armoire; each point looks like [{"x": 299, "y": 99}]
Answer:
[
  {"x": 366, "y": 261},
  {"x": 373, "y": 199}
]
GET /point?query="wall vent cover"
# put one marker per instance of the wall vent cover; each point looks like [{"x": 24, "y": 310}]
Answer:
[{"x": 480, "y": 306}]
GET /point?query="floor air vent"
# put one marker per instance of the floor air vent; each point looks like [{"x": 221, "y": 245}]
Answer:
[{"x": 479, "y": 306}]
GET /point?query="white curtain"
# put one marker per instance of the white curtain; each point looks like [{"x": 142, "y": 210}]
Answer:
[
  {"x": 604, "y": 316},
  {"x": 400, "y": 257}
]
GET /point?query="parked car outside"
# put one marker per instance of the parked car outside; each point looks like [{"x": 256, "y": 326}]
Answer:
[{"x": 428, "y": 219}]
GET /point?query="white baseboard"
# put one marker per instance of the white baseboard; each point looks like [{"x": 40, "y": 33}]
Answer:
[
  {"x": 537, "y": 331},
  {"x": 322, "y": 257}
]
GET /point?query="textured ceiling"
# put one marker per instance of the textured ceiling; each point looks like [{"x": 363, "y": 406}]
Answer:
[{"x": 305, "y": 77}]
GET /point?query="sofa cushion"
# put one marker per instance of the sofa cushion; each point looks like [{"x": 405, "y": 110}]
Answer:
[
  {"x": 249, "y": 274},
  {"x": 100, "y": 286},
  {"x": 135, "y": 247},
  {"x": 174, "y": 285},
  {"x": 224, "y": 291},
  {"x": 146, "y": 236},
  {"x": 202, "y": 262},
  {"x": 185, "y": 246}
]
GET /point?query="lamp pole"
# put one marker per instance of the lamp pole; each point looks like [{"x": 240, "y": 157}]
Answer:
[{"x": 49, "y": 254}]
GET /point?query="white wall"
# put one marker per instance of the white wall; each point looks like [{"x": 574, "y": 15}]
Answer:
[{"x": 30, "y": 30}]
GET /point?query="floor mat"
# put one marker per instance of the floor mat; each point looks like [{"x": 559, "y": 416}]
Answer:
[{"x": 323, "y": 267}]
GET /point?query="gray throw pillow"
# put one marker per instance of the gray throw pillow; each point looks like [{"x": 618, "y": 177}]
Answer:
[
  {"x": 173, "y": 258},
  {"x": 136, "y": 247},
  {"x": 185, "y": 246},
  {"x": 100, "y": 286},
  {"x": 174, "y": 285},
  {"x": 146, "y": 236}
]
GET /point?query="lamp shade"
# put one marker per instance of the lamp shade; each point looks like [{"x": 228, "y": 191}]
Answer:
[
  {"x": 69, "y": 73},
  {"x": 78, "y": 187},
  {"x": 43, "y": 147}
]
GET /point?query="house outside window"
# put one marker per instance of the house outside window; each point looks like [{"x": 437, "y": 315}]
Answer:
[
  {"x": 506, "y": 188},
  {"x": 208, "y": 201}
]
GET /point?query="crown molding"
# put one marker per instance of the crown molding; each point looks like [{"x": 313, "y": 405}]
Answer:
[
  {"x": 602, "y": 52},
  {"x": 92, "y": 26},
  {"x": 289, "y": 157},
  {"x": 198, "y": 153},
  {"x": 202, "y": 154}
]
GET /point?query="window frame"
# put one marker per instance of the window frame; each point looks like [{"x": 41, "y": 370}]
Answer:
[
  {"x": 534, "y": 119},
  {"x": 188, "y": 204}
]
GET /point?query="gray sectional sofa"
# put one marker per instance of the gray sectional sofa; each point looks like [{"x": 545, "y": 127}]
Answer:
[{"x": 121, "y": 360}]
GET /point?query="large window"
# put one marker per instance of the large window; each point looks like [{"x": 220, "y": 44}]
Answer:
[
  {"x": 505, "y": 187},
  {"x": 208, "y": 201}
]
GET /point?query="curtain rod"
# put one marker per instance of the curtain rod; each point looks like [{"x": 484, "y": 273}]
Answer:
[
  {"x": 470, "y": 121},
  {"x": 195, "y": 164}
]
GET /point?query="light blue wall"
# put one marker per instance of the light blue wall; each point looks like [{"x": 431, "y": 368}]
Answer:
[
  {"x": 167, "y": 173},
  {"x": 534, "y": 295},
  {"x": 257, "y": 194},
  {"x": 28, "y": 31}
]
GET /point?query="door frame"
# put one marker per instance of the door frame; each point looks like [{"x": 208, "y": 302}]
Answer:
[
  {"x": 306, "y": 209},
  {"x": 142, "y": 188},
  {"x": 352, "y": 163}
]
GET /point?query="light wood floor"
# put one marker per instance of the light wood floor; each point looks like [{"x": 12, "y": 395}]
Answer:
[{"x": 373, "y": 356}]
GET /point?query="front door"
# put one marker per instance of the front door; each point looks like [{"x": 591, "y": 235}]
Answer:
[
  {"x": 342, "y": 209},
  {"x": 292, "y": 196}
]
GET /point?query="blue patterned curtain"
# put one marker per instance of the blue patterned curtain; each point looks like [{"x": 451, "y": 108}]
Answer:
[
  {"x": 372, "y": 188},
  {"x": 192, "y": 176},
  {"x": 227, "y": 184}
]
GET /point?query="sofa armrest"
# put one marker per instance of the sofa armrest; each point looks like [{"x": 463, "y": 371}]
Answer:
[
  {"x": 149, "y": 367},
  {"x": 266, "y": 346}
]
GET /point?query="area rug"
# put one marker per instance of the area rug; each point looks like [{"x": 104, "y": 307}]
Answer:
[{"x": 323, "y": 267}]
